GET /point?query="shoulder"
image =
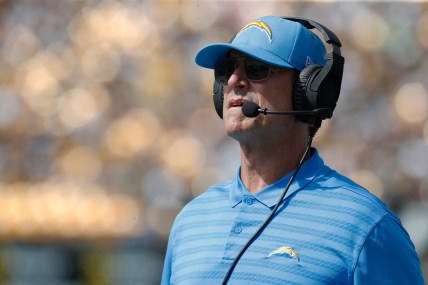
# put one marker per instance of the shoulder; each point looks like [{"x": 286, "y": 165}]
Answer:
[
  {"x": 337, "y": 187},
  {"x": 372, "y": 233},
  {"x": 387, "y": 256},
  {"x": 328, "y": 187},
  {"x": 213, "y": 198},
  {"x": 214, "y": 193},
  {"x": 208, "y": 209},
  {"x": 341, "y": 201}
]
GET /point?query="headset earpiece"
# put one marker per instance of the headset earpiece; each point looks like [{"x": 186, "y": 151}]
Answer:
[
  {"x": 319, "y": 86},
  {"x": 300, "y": 100},
  {"x": 218, "y": 98}
]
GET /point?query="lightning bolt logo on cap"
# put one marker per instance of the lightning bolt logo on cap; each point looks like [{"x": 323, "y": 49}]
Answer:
[
  {"x": 288, "y": 251},
  {"x": 260, "y": 25}
]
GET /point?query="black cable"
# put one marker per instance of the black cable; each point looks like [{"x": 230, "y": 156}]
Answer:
[{"x": 312, "y": 130}]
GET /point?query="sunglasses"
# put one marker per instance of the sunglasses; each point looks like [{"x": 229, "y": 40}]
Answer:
[{"x": 254, "y": 70}]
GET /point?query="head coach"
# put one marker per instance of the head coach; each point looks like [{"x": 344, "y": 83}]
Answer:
[{"x": 286, "y": 218}]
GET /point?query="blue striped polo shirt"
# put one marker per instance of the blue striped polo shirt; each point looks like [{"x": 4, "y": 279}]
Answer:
[{"x": 328, "y": 230}]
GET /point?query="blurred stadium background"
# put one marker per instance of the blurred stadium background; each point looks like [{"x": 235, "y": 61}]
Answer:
[{"x": 107, "y": 127}]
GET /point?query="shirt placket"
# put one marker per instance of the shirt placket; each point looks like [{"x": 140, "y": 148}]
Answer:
[{"x": 243, "y": 227}]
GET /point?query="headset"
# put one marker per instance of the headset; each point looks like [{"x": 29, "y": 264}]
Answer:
[{"x": 316, "y": 86}]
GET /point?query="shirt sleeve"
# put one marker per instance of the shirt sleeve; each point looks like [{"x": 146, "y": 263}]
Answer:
[
  {"x": 167, "y": 266},
  {"x": 388, "y": 256},
  {"x": 166, "y": 274}
]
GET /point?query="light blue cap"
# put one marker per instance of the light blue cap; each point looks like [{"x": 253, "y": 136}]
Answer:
[{"x": 270, "y": 39}]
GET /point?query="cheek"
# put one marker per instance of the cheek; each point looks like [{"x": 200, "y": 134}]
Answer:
[{"x": 279, "y": 98}]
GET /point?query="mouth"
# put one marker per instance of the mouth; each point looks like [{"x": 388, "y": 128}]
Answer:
[{"x": 236, "y": 103}]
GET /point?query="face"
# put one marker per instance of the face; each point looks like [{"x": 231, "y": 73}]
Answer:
[{"x": 273, "y": 92}]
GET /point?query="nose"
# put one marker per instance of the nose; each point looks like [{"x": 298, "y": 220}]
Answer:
[{"x": 238, "y": 78}]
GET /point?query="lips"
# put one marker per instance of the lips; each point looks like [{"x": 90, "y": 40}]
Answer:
[{"x": 236, "y": 102}]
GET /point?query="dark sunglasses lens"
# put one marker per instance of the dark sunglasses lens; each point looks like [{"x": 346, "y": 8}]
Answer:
[
  {"x": 230, "y": 67},
  {"x": 224, "y": 69},
  {"x": 256, "y": 70}
]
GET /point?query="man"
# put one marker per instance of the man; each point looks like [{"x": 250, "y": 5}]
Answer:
[{"x": 326, "y": 229}]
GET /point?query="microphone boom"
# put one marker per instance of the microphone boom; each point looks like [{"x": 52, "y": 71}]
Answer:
[{"x": 252, "y": 110}]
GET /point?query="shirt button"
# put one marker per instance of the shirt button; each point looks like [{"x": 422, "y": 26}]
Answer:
[
  {"x": 237, "y": 230},
  {"x": 248, "y": 200}
]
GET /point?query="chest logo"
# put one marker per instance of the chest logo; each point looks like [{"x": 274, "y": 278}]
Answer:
[{"x": 285, "y": 251}]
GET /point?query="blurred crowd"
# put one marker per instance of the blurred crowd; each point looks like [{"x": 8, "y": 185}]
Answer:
[{"x": 107, "y": 126}]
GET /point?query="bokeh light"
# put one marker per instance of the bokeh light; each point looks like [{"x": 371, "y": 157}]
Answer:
[
  {"x": 182, "y": 154},
  {"x": 199, "y": 15},
  {"x": 425, "y": 132},
  {"x": 412, "y": 158},
  {"x": 422, "y": 30},
  {"x": 20, "y": 44},
  {"x": 100, "y": 63},
  {"x": 369, "y": 30},
  {"x": 80, "y": 163},
  {"x": 411, "y": 102},
  {"x": 132, "y": 134},
  {"x": 81, "y": 106},
  {"x": 370, "y": 181}
]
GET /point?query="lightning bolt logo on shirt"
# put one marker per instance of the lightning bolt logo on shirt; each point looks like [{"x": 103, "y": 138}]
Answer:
[
  {"x": 288, "y": 251},
  {"x": 262, "y": 26}
]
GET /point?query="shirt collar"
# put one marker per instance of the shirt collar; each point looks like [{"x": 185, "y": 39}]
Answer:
[{"x": 269, "y": 195}]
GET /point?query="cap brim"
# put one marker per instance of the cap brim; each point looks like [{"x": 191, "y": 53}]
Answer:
[{"x": 211, "y": 54}]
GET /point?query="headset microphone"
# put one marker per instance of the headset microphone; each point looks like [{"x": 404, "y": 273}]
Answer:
[{"x": 251, "y": 110}]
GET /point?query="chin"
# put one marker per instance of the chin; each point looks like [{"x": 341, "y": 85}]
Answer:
[
  {"x": 235, "y": 123},
  {"x": 242, "y": 133}
]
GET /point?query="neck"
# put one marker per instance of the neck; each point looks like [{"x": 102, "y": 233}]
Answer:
[{"x": 263, "y": 164}]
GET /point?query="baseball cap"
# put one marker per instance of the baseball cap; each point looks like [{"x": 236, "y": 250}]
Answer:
[{"x": 271, "y": 39}]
